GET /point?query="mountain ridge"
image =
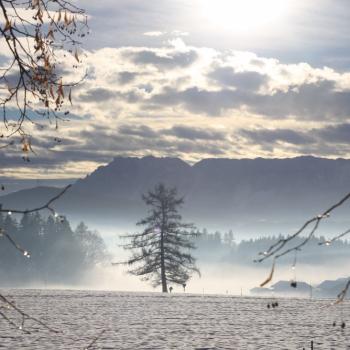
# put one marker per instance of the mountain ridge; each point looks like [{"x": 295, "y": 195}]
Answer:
[{"x": 252, "y": 195}]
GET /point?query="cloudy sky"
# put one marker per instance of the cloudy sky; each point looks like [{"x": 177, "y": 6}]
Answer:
[{"x": 202, "y": 78}]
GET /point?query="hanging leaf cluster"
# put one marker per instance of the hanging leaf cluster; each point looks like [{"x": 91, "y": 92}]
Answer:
[{"x": 39, "y": 35}]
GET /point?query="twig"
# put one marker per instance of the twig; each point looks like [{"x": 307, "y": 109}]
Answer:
[
  {"x": 341, "y": 296},
  {"x": 95, "y": 340},
  {"x": 32, "y": 81},
  {"x": 11, "y": 240},
  {"x": 24, "y": 316},
  {"x": 277, "y": 250},
  {"x": 330, "y": 241},
  {"x": 46, "y": 206},
  {"x": 279, "y": 245}
]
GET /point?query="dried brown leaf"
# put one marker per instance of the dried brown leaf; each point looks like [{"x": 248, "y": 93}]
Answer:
[
  {"x": 76, "y": 55},
  {"x": 60, "y": 89},
  {"x": 7, "y": 25},
  {"x": 269, "y": 278},
  {"x": 70, "y": 96},
  {"x": 52, "y": 92}
]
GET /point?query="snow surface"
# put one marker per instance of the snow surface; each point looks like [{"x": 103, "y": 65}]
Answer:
[{"x": 174, "y": 321}]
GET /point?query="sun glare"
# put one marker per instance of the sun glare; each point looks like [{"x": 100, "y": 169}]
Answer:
[{"x": 244, "y": 15}]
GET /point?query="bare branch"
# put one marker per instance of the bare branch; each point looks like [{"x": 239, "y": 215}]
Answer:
[
  {"x": 279, "y": 249},
  {"x": 341, "y": 296},
  {"x": 330, "y": 241},
  {"x": 46, "y": 206},
  {"x": 38, "y": 35},
  {"x": 24, "y": 316},
  {"x": 26, "y": 254},
  {"x": 280, "y": 244}
]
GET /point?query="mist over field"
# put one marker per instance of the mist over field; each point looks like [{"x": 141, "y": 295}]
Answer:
[
  {"x": 65, "y": 255},
  {"x": 216, "y": 278}
]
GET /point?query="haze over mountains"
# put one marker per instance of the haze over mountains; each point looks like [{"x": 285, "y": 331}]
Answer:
[{"x": 250, "y": 196}]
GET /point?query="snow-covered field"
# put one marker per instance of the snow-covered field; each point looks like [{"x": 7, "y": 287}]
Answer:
[{"x": 178, "y": 321}]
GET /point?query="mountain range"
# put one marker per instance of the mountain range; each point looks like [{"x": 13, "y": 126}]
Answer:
[{"x": 250, "y": 196}]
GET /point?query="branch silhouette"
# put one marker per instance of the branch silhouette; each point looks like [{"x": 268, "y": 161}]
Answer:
[
  {"x": 24, "y": 316},
  {"x": 9, "y": 304},
  {"x": 278, "y": 249},
  {"x": 46, "y": 206},
  {"x": 39, "y": 36}
]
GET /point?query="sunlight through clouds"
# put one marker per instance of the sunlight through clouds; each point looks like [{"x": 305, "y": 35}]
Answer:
[
  {"x": 195, "y": 102},
  {"x": 244, "y": 16},
  {"x": 168, "y": 81}
]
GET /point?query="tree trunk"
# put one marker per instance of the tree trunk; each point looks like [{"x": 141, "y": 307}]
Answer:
[
  {"x": 162, "y": 260},
  {"x": 162, "y": 264}
]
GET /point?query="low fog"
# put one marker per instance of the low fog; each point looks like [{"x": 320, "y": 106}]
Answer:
[
  {"x": 72, "y": 255},
  {"x": 218, "y": 276},
  {"x": 215, "y": 279}
]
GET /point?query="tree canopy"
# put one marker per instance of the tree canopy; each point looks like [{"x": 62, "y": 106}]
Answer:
[{"x": 161, "y": 252}]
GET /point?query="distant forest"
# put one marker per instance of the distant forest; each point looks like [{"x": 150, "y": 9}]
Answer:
[
  {"x": 58, "y": 254},
  {"x": 222, "y": 247}
]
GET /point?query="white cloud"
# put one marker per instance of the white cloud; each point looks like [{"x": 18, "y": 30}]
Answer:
[
  {"x": 155, "y": 33},
  {"x": 193, "y": 102}
]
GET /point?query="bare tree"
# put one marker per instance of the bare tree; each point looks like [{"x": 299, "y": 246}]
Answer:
[
  {"x": 280, "y": 248},
  {"x": 162, "y": 250},
  {"x": 36, "y": 36}
]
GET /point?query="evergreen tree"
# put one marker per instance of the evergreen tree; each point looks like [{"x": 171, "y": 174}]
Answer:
[
  {"x": 8, "y": 260},
  {"x": 161, "y": 252},
  {"x": 57, "y": 254},
  {"x": 92, "y": 243},
  {"x": 229, "y": 238}
]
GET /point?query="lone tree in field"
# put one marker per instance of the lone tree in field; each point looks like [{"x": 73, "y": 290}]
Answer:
[{"x": 161, "y": 252}]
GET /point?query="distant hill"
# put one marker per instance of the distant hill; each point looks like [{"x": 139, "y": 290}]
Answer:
[
  {"x": 326, "y": 289},
  {"x": 29, "y": 198},
  {"x": 284, "y": 288},
  {"x": 251, "y": 196},
  {"x": 331, "y": 288}
]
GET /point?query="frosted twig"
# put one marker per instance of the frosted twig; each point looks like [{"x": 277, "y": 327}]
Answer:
[
  {"x": 24, "y": 315},
  {"x": 46, "y": 206},
  {"x": 330, "y": 241},
  {"x": 278, "y": 249},
  {"x": 3, "y": 233}
]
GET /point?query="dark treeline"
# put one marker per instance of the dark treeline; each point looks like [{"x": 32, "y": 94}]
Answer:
[
  {"x": 58, "y": 254},
  {"x": 222, "y": 247},
  {"x": 214, "y": 246}
]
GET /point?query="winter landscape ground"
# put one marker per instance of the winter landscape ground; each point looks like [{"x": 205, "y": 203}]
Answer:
[{"x": 175, "y": 321}]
